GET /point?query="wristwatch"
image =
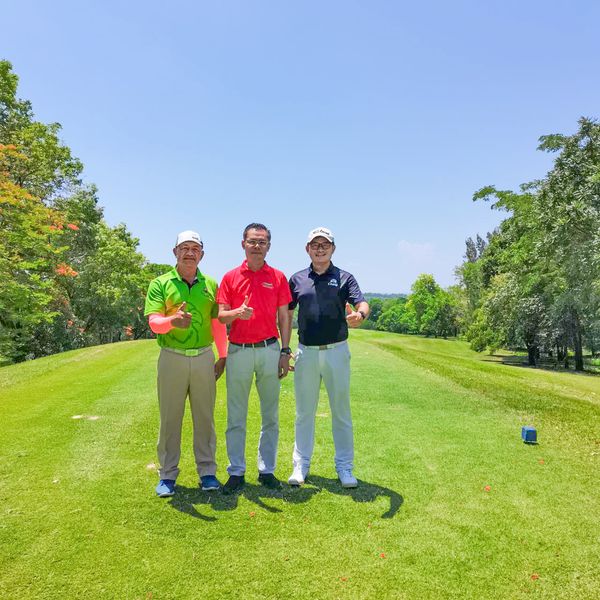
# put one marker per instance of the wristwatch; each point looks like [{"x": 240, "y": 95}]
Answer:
[{"x": 286, "y": 350}]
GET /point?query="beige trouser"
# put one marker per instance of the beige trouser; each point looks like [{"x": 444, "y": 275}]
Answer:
[{"x": 179, "y": 377}]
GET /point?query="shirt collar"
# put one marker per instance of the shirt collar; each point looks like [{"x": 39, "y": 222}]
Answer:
[
  {"x": 175, "y": 274},
  {"x": 329, "y": 270},
  {"x": 245, "y": 268}
]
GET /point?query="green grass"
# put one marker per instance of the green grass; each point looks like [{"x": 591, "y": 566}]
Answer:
[{"x": 434, "y": 424}]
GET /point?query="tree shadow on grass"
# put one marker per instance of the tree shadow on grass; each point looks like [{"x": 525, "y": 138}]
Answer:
[
  {"x": 543, "y": 364},
  {"x": 187, "y": 499}
]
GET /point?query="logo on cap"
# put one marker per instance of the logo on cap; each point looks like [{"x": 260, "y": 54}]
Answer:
[{"x": 320, "y": 232}]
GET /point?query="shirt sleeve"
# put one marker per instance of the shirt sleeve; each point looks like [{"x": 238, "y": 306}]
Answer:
[
  {"x": 354, "y": 294},
  {"x": 155, "y": 299},
  {"x": 284, "y": 297},
  {"x": 223, "y": 296},
  {"x": 159, "y": 323},
  {"x": 214, "y": 311},
  {"x": 293, "y": 294}
]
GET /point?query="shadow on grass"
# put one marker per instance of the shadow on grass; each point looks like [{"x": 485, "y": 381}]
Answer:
[
  {"x": 187, "y": 499},
  {"x": 543, "y": 364}
]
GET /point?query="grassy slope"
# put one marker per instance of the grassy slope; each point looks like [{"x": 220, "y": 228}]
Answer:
[{"x": 434, "y": 425}]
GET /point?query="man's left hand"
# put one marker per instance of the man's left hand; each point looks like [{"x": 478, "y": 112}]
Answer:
[
  {"x": 354, "y": 319},
  {"x": 219, "y": 367},
  {"x": 284, "y": 365}
]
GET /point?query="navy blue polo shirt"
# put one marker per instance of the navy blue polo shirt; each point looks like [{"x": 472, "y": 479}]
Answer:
[{"x": 322, "y": 304}]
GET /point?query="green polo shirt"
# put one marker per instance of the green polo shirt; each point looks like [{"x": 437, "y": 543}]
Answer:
[{"x": 165, "y": 295}]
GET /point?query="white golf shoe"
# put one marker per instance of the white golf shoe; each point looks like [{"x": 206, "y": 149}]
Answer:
[
  {"x": 298, "y": 476},
  {"x": 347, "y": 479}
]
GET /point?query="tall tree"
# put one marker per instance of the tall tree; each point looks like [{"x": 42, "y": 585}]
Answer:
[
  {"x": 548, "y": 251},
  {"x": 29, "y": 257}
]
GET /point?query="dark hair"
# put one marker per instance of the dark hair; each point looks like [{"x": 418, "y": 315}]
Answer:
[{"x": 257, "y": 226}]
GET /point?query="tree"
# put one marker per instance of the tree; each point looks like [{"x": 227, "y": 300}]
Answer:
[
  {"x": 29, "y": 259},
  {"x": 111, "y": 286},
  {"x": 394, "y": 317},
  {"x": 568, "y": 204},
  {"x": 544, "y": 259},
  {"x": 67, "y": 279},
  {"x": 50, "y": 168}
]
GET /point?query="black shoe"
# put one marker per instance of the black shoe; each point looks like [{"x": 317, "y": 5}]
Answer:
[
  {"x": 234, "y": 484},
  {"x": 269, "y": 481}
]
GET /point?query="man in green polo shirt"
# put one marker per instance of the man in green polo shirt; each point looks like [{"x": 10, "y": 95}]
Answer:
[{"x": 182, "y": 310}]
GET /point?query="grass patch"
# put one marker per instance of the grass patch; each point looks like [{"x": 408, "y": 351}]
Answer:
[{"x": 451, "y": 503}]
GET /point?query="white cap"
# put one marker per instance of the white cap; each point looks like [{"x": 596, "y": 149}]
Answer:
[
  {"x": 320, "y": 232},
  {"x": 188, "y": 236}
]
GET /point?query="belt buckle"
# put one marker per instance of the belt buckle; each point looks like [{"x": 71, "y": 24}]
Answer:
[{"x": 192, "y": 352}]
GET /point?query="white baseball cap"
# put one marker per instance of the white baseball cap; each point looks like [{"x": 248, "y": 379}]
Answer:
[
  {"x": 188, "y": 236},
  {"x": 320, "y": 232}
]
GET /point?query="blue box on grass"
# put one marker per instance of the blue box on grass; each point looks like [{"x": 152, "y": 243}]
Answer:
[{"x": 529, "y": 435}]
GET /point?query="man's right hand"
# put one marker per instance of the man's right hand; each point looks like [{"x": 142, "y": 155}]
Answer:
[
  {"x": 181, "y": 319},
  {"x": 244, "y": 311}
]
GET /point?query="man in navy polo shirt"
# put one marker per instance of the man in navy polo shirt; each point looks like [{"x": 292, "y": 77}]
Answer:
[{"x": 324, "y": 293}]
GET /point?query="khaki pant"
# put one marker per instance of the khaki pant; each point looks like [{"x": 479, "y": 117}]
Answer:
[{"x": 179, "y": 377}]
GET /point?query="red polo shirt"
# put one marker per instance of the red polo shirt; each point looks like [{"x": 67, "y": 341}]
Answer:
[{"x": 267, "y": 289}]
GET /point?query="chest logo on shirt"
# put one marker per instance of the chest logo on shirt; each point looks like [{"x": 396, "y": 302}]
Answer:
[
  {"x": 333, "y": 283},
  {"x": 267, "y": 285}
]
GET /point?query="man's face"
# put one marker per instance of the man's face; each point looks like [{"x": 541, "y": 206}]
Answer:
[
  {"x": 320, "y": 250},
  {"x": 256, "y": 245},
  {"x": 188, "y": 254}
]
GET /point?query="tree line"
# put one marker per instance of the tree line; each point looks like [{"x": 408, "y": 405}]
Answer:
[
  {"x": 428, "y": 310},
  {"x": 67, "y": 279},
  {"x": 532, "y": 284}
]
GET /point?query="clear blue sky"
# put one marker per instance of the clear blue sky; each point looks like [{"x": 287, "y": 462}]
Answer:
[{"x": 378, "y": 120}]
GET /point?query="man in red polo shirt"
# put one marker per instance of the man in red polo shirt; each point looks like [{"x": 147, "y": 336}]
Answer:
[{"x": 253, "y": 299}]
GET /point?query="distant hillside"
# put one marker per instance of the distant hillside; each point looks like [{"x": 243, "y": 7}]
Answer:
[{"x": 369, "y": 295}]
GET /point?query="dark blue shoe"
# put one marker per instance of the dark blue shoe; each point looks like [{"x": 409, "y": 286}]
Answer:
[
  {"x": 165, "y": 488},
  {"x": 209, "y": 483}
]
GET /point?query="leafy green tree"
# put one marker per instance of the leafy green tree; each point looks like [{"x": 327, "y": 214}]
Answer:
[
  {"x": 395, "y": 318},
  {"x": 111, "y": 285},
  {"x": 67, "y": 279},
  {"x": 376, "y": 306},
  {"x": 536, "y": 283},
  {"x": 28, "y": 260},
  {"x": 50, "y": 168},
  {"x": 568, "y": 205}
]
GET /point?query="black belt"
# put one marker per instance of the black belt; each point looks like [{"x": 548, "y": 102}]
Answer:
[{"x": 262, "y": 344}]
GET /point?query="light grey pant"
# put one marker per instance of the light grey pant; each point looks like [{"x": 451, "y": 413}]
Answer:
[
  {"x": 179, "y": 377},
  {"x": 242, "y": 365},
  {"x": 332, "y": 365}
]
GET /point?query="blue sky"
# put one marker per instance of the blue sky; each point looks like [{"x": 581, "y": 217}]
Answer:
[{"x": 378, "y": 120}]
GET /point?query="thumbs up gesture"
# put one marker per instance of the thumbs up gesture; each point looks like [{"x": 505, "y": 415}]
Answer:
[
  {"x": 353, "y": 318},
  {"x": 244, "y": 311},
  {"x": 181, "y": 318}
]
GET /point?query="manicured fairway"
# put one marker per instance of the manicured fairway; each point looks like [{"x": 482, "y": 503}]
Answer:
[{"x": 451, "y": 503}]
